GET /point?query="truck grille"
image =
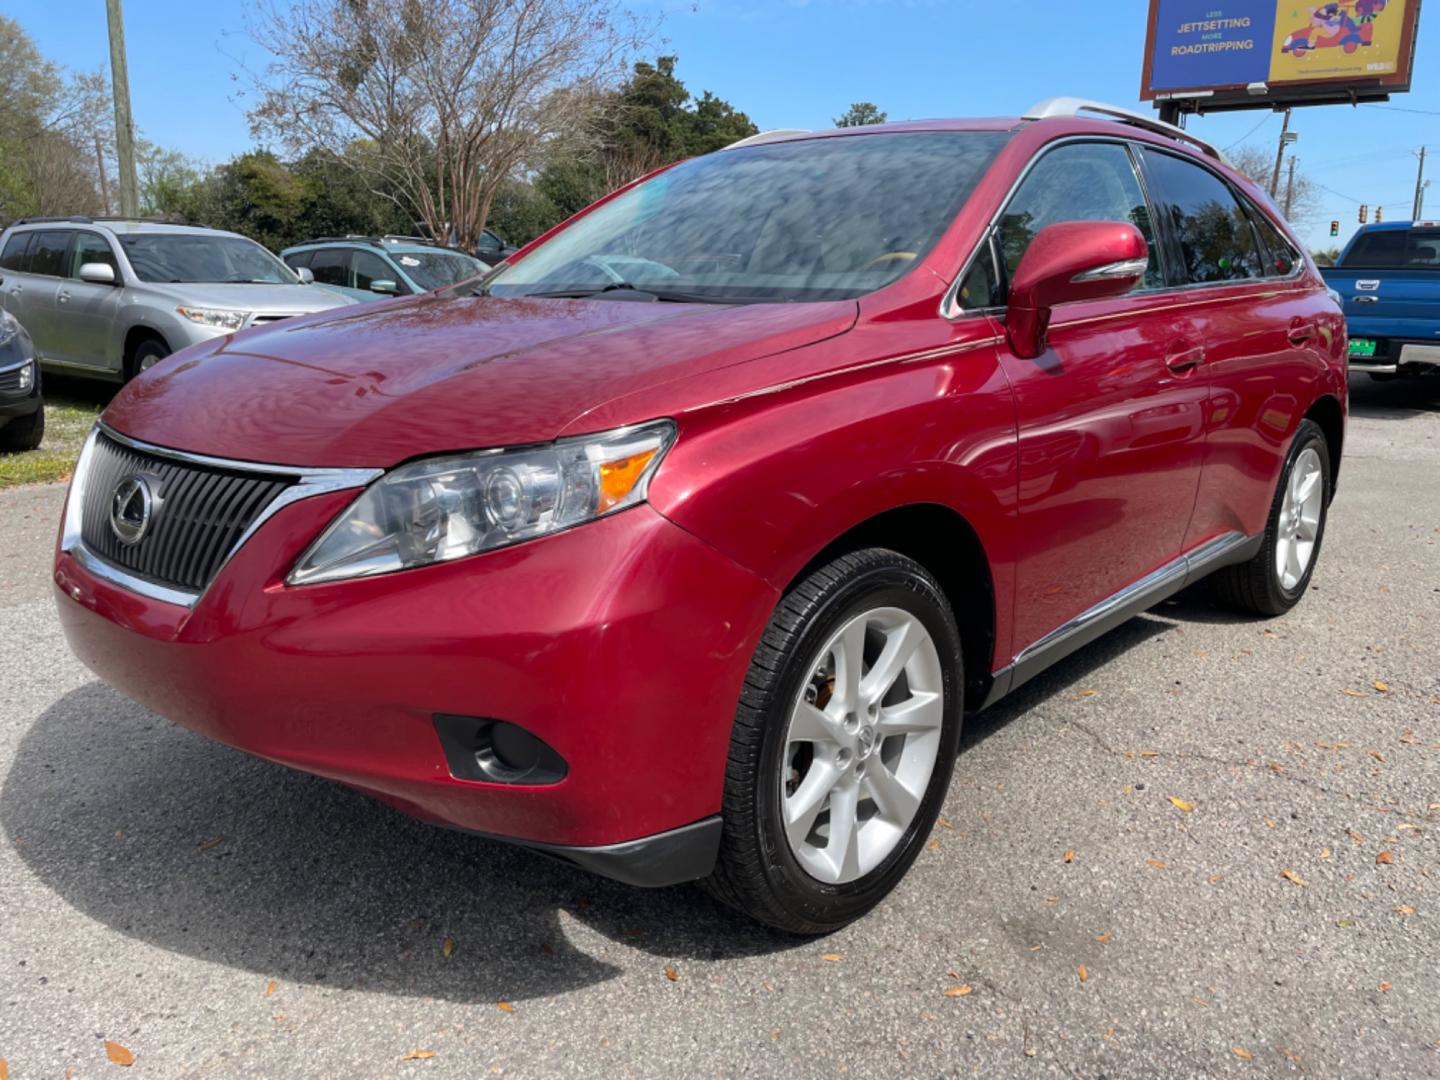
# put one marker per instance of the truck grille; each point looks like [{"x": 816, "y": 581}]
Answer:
[{"x": 199, "y": 512}]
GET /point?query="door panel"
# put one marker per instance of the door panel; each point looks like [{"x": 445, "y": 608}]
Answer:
[
  {"x": 33, "y": 292},
  {"x": 1111, "y": 442},
  {"x": 85, "y": 313}
]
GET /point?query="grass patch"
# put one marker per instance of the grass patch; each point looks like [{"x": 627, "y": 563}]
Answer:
[{"x": 71, "y": 407}]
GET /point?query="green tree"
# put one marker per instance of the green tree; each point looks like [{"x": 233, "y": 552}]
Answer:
[
  {"x": 1326, "y": 256},
  {"x": 860, "y": 114}
]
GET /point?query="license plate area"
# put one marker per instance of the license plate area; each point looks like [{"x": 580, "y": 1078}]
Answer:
[{"x": 1362, "y": 347}]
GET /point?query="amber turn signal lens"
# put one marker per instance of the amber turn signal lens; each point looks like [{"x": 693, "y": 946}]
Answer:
[{"x": 618, "y": 478}]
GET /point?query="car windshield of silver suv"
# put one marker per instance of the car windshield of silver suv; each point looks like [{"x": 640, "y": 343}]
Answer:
[{"x": 177, "y": 257}]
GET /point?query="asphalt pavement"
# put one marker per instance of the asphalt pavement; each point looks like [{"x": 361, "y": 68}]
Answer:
[{"x": 1205, "y": 845}]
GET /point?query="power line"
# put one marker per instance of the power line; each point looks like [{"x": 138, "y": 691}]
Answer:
[
  {"x": 1263, "y": 121},
  {"x": 1401, "y": 108}
]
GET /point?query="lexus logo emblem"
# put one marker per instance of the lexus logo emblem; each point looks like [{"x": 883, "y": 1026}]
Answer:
[{"x": 130, "y": 509}]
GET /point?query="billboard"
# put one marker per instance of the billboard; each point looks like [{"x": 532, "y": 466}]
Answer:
[{"x": 1226, "y": 49}]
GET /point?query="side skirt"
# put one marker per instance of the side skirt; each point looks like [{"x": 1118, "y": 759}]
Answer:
[{"x": 1225, "y": 550}]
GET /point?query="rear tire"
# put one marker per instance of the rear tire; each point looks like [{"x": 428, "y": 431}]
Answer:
[
  {"x": 867, "y": 745},
  {"x": 1274, "y": 580},
  {"x": 24, "y": 433}
]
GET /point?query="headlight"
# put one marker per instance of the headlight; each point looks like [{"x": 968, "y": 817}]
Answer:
[
  {"x": 215, "y": 317},
  {"x": 9, "y": 328},
  {"x": 27, "y": 378},
  {"x": 446, "y": 508}
]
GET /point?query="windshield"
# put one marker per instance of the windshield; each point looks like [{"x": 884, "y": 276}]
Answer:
[
  {"x": 816, "y": 219},
  {"x": 1396, "y": 249},
  {"x": 185, "y": 257},
  {"x": 436, "y": 269}
]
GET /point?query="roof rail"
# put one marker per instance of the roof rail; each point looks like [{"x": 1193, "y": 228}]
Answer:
[
  {"x": 1072, "y": 106},
  {"x": 767, "y": 136},
  {"x": 74, "y": 219}
]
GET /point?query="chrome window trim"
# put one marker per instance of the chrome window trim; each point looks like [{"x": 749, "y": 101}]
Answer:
[
  {"x": 309, "y": 482},
  {"x": 952, "y": 311}
]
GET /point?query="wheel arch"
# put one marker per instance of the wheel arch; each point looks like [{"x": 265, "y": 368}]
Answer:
[
  {"x": 1327, "y": 413},
  {"x": 133, "y": 337},
  {"x": 940, "y": 539}
]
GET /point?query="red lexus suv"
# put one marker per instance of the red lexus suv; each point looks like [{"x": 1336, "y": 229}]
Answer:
[{"x": 679, "y": 546}]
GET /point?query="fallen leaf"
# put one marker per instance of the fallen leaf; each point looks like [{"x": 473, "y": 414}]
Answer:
[
  {"x": 1069, "y": 855},
  {"x": 1384, "y": 688},
  {"x": 1215, "y": 879},
  {"x": 1352, "y": 693},
  {"x": 1291, "y": 876},
  {"x": 1270, "y": 633},
  {"x": 1088, "y": 693},
  {"x": 118, "y": 1055},
  {"x": 1180, "y": 804},
  {"x": 447, "y": 947},
  {"x": 1409, "y": 738},
  {"x": 1355, "y": 836},
  {"x": 934, "y": 844},
  {"x": 671, "y": 973},
  {"x": 1103, "y": 938},
  {"x": 4, "y": 1069},
  {"x": 213, "y": 842},
  {"x": 944, "y": 824},
  {"x": 1149, "y": 753},
  {"x": 1269, "y": 823},
  {"x": 1156, "y": 863},
  {"x": 1433, "y": 806},
  {"x": 832, "y": 957},
  {"x": 1109, "y": 1033},
  {"x": 1377, "y": 756},
  {"x": 270, "y": 987},
  {"x": 1384, "y": 858},
  {"x": 1405, "y": 909},
  {"x": 505, "y": 1006},
  {"x": 418, "y": 1055},
  {"x": 1344, "y": 924},
  {"x": 1241, "y": 1053},
  {"x": 959, "y": 991},
  {"x": 1384, "y": 987},
  {"x": 1080, "y": 971}
]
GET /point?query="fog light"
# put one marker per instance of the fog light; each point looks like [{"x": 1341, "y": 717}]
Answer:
[
  {"x": 478, "y": 748},
  {"x": 27, "y": 377}
]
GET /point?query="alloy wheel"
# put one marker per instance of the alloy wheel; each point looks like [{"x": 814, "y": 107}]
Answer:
[
  {"x": 1299, "y": 523},
  {"x": 861, "y": 746}
]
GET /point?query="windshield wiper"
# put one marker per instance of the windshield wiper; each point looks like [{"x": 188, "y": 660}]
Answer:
[{"x": 664, "y": 295}]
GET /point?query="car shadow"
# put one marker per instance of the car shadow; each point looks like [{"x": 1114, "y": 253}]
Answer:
[{"x": 1394, "y": 399}]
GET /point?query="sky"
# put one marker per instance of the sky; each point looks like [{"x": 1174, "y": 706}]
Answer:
[{"x": 800, "y": 63}]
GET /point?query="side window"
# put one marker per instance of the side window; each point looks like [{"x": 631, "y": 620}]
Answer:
[
  {"x": 1078, "y": 182},
  {"x": 370, "y": 268},
  {"x": 981, "y": 287},
  {"x": 1214, "y": 234},
  {"x": 297, "y": 259},
  {"x": 92, "y": 248},
  {"x": 16, "y": 250},
  {"x": 331, "y": 266},
  {"x": 47, "y": 253},
  {"x": 1283, "y": 258}
]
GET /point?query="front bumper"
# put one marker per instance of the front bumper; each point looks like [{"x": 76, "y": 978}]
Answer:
[
  {"x": 15, "y": 404},
  {"x": 623, "y": 644}
]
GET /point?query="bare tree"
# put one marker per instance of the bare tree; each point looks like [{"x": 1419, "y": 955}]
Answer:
[
  {"x": 451, "y": 97},
  {"x": 1257, "y": 164}
]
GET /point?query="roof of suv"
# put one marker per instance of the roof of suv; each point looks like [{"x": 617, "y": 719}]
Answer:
[
  {"x": 120, "y": 226},
  {"x": 377, "y": 243}
]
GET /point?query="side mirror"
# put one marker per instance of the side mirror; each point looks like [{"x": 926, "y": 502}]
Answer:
[
  {"x": 384, "y": 285},
  {"x": 1066, "y": 262},
  {"x": 305, "y": 274},
  {"x": 97, "y": 273}
]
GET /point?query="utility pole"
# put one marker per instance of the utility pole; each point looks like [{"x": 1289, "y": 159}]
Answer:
[
  {"x": 1285, "y": 137},
  {"x": 1290, "y": 187},
  {"x": 1419, "y": 187},
  {"x": 104, "y": 180},
  {"x": 124, "y": 124}
]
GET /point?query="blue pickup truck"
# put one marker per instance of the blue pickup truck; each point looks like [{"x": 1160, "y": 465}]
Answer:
[{"x": 1388, "y": 278}]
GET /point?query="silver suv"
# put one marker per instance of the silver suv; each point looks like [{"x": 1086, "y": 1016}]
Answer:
[{"x": 109, "y": 298}]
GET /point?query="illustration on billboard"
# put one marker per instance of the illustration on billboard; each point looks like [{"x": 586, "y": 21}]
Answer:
[{"x": 1196, "y": 44}]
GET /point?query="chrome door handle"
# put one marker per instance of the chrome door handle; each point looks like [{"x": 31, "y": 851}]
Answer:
[
  {"x": 62, "y": 298},
  {"x": 1365, "y": 299}
]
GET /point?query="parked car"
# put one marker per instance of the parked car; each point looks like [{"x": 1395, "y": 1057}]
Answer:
[
  {"x": 1388, "y": 277},
  {"x": 492, "y": 248},
  {"x": 693, "y": 573},
  {"x": 110, "y": 297},
  {"x": 22, "y": 408},
  {"x": 372, "y": 267}
]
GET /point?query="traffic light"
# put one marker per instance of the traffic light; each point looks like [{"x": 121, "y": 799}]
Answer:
[
  {"x": 1379, "y": 214},
  {"x": 1334, "y": 228},
  {"x": 1364, "y": 211}
]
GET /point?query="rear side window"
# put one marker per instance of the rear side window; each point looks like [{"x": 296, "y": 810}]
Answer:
[
  {"x": 16, "y": 250},
  {"x": 91, "y": 248},
  {"x": 1395, "y": 249},
  {"x": 1216, "y": 240},
  {"x": 331, "y": 266},
  {"x": 1281, "y": 256},
  {"x": 1077, "y": 182},
  {"x": 47, "y": 253}
]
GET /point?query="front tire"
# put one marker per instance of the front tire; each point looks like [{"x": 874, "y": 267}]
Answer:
[
  {"x": 24, "y": 433},
  {"x": 844, "y": 741},
  {"x": 1273, "y": 581},
  {"x": 149, "y": 352}
]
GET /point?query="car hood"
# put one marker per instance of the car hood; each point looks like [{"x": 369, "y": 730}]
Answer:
[
  {"x": 379, "y": 383},
  {"x": 259, "y": 299}
]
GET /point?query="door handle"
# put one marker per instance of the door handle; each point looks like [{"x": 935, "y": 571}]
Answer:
[
  {"x": 63, "y": 298},
  {"x": 1300, "y": 333},
  {"x": 1365, "y": 299},
  {"x": 1185, "y": 360}
]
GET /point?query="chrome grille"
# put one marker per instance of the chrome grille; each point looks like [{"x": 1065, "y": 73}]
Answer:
[{"x": 199, "y": 513}]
